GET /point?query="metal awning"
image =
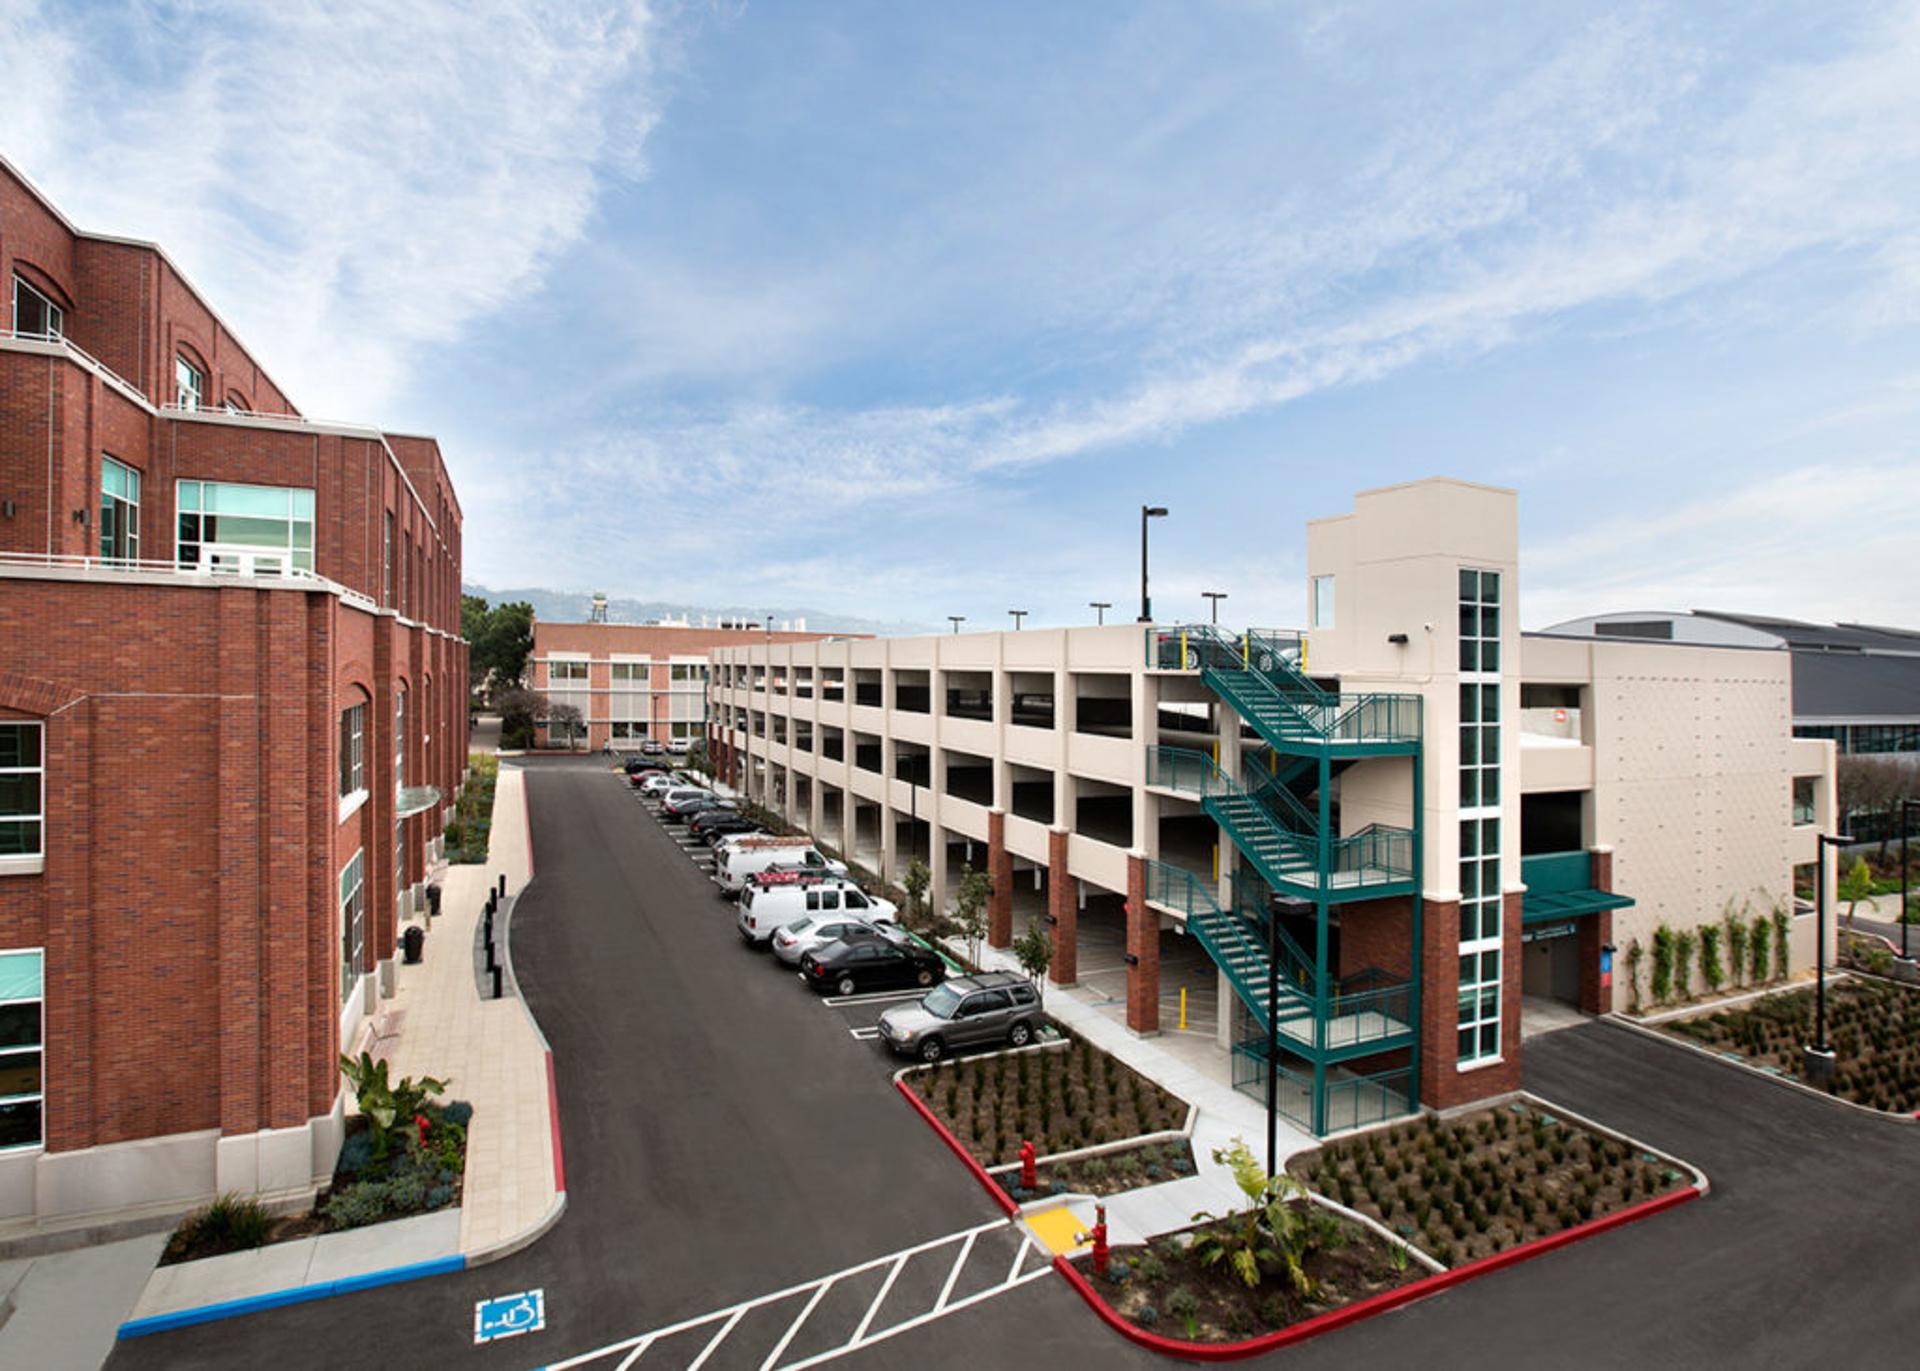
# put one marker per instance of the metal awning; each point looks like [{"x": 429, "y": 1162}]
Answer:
[
  {"x": 1543, "y": 907},
  {"x": 415, "y": 799}
]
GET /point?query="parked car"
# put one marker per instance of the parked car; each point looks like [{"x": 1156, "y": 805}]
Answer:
[
  {"x": 652, "y": 747},
  {"x": 639, "y": 768},
  {"x": 802, "y": 936},
  {"x": 748, "y": 856},
  {"x": 686, "y": 806},
  {"x": 653, "y": 782},
  {"x": 969, "y": 1011},
  {"x": 870, "y": 962},
  {"x": 669, "y": 794},
  {"x": 767, "y": 909},
  {"x": 714, "y": 824}
]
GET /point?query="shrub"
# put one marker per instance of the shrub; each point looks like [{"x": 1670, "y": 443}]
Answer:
[
  {"x": 1662, "y": 964},
  {"x": 1710, "y": 971},
  {"x": 1634, "y": 955},
  {"x": 1758, "y": 944},
  {"x": 1184, "y": 1307},
  {"x": 1779, "y": 920},
  {"x": 1146, "y": 1316},
  {"x": 1683, "y": 965},
  {"x": 231, "y": 1222}
]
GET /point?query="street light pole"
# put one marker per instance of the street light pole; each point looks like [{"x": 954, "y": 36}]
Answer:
[
  {"x": 1018, "y": 615},
  {"x": 1100, "y": 607},
  {"x": 956, "y": 620},
  {"x": 1819, "y": 1057},
  {"x": 1147, "y": 512},
  {"x": 1216, "y": 596},
  {"x": 1273, "y": 1040}
]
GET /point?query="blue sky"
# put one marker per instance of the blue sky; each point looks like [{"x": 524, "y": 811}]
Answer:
[{"x": 903, "y": 310}]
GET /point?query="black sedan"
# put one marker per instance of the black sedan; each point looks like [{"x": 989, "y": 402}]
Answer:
[
  {"x": 870, "y": 962},
  {"x": 713, "y": 823}
]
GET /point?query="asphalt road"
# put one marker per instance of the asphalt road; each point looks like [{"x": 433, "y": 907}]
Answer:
[{"x": 725, "y": 1137}]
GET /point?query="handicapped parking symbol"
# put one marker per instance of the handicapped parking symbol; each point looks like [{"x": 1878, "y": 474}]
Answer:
[{"x": 508, "y": 1316}]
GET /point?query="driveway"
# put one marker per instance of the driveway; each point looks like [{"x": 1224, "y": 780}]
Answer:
[{"x": 725, "y": 1136}]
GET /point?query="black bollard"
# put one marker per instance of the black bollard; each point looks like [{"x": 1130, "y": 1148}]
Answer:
[
  {"x": 496, "y": 982},
  {"x": 503, "y": 887},
  {"x": 492, "y": 963}
]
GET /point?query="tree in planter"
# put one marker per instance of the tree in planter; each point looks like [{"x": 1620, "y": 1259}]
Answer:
[
  {"x": 915, "y": 884},
  {"x": 1635, "y": 953},
  {"x": 970, "y": 909},
  {"x": 1711, "y": 972},
  {"x": 1662, "y": 964},
  {"x": 1683, "y": 965},
  {"x": 1035, "y": 951},
  {"x": 1275, "y": 1228},
  {"x": 1855, "y": 886}
]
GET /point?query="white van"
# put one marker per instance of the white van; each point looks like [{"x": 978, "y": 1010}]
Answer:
[
  {"x": 766, "y": 909},
  {"x": 737, "y": 861}
]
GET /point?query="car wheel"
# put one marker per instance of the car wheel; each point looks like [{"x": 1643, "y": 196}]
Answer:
[
  {"x": 924, "y": 976},
  {"x": 932, "y": 1050},
  {"x": 846, "y": 985},
  {"x": 1022, "y": 1034}
]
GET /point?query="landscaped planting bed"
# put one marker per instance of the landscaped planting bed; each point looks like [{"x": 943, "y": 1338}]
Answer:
[
  {"x": 1110, "y": 1173},
  {"x": 1478, "y": 1183},
  {"x": 1873, "y": 1027},
  {"x": 1226, "y": 1279},
  {"x": 472, "y": 822},
  {"x": 1059, "y": 1099}
]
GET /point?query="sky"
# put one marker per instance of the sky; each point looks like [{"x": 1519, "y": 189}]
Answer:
[{"x": 902, "y": 311}]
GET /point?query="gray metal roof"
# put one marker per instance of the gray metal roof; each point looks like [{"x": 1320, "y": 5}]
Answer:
[{"x": 1844, "y": 686}]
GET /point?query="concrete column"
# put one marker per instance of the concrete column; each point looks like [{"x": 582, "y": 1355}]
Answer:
[
  {"x": 1232, "y": 752},
  {"x": 1063, "y": 910},
  {"x": 1143, "y": 950},
  {"x": 1000, "y": 869}
]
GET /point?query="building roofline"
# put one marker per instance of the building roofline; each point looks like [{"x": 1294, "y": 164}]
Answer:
[{"x": 46, "y": 202}]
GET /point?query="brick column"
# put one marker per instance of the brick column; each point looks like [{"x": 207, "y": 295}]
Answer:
[
  {"x": 1143, "y": 951},
  {"x": 1000, "y": 869},
  {"x": 1061, "y": 908},
  {"x": 240, "y": 919},
  {"x": 1596, "y": 931},
  {"x": 1439, "y": 1001}
]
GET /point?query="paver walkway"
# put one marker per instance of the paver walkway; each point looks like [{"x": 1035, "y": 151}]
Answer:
[{"x": 490, "y": 1052}]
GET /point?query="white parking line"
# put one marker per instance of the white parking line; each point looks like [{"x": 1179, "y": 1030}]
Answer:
[
  {"x": 865, "y": 1035},
  {"x": 872, "y": 997}
]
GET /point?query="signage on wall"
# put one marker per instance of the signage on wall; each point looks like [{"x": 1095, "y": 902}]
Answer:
[{"x": 1539, "y": 933}]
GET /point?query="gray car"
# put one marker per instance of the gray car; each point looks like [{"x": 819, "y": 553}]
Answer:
[{"x": 972, "y": 1011}]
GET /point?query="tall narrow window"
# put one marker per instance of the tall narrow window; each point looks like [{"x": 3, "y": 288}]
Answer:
[
  {"x": 189, "y": 383},
  {"x": 22, "y": 791},
  {"x": 1323, "y": 602},
  {"x": 119, "y": 512},
  {"x": 353, "y": 925},
  {"x": 34, "y": 315},
  {"x": 22, "y": 1038},
  {"x": 386, "y": 565},
  {"x": 353, "y": 724},
  {"x": 400, "y": 739},
  {"x": 1481, "y": 900}
]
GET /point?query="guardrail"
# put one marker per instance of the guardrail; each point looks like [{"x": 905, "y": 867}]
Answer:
[{"x": 62, "y": 561}]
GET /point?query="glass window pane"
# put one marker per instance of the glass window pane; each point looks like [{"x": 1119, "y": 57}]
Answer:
[
  {"x": 1469, "y": 837},
  {"x": 303, "y": 504},
  {"x": 1469, "y": 746},
  {"x": 190, "y": 495},
  {"x": 257, "y": 501},
  {"x": 113, "y": 477},
  {"x": 1490, "y": 622},
  {"x": 1469, "y": 585},
  {"x": 19, "y": 745},
  {"x": 1490, "y": 1004},
  {"x": 1490, "y": 587},
  {"x": 1489, "y": 966},
  {"x": 303, "y": 535},
  {"x": 1490, "y": 785},
  {"x": 1469, "y": 655},
  {"x": 20, "y": 794},
  {"x": 19, "y": 837},
  {"x": 1466, "y": 969},
  {"x": 1469, "y": 622},
  {"x": 1490, "y": 919},
  {"x": 1467, "y": 1038},
  {"x": 20, "y": 978},
  {"x": 1469, "y": 704},
  {"x": 19, "y": 1073},
  {"x": 1490, "y": 655},
  {"x": 20, "y": 1023},
  {"x": 247, "y": 532},
  {"x": 1469, "y": 880},
  {"x": 1469, "y": 787},
  {"x": 1489, "y": 836},
  {"x": 1465, "y": 1008},
  {"x": 20, "y": 1123}
]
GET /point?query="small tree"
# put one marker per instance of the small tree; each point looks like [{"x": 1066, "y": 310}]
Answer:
[
  {"x": 1710, "y": 970},
  {"x": 915, "y": 884},
  {"x": 1736, "y": 945},
  {"x": 1779, "y": 919},
  {"x": 1683, "y": 965},
  {"x": 1662, "y": 964},
  {"x": 564, "y": 719},
  {"x": 1635, "y": 953},
  {"x": 1035, "y": 951},
  {"x": 1758, "y": 941},
  {"x": 970, "y": 909},
  {"x": 1855, "y": 886},
  {"x": 518, "y": 709},
  {"x": 1276, "y": 1229}
]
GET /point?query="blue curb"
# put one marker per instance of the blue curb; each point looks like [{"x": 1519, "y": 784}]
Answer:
[{"x": 299, "y": 1294}]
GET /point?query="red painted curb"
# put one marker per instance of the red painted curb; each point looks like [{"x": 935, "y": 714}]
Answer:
[
  {"x": 553, "y": 1110},
  {"x": 1000, "y": 1197},
  {"x": 1374, "y": 1304}
]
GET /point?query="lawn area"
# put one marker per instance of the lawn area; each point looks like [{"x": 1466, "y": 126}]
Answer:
[
  {"x": 1060, "y": 1099},
  {"x": 1477, "y": 1183},
  {"x": 1873, "y": 1027}
]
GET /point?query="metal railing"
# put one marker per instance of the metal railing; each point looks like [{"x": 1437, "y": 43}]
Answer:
[
  {"x": 61, "y": 561},
  {"x": 1302, "y": 709}
]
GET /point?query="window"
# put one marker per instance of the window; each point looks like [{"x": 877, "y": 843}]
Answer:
[
  {"x": 1482, "y": 903},
  {"x": 189, "y": 383},
  {"x": 400, "y": 739},
  {"x": 566, "y": 671},
  {"x": 1803, "y": 799},
  {"x": 1323, "y": 602},
  {"x": 386, "y": 565},
  {"x": 353, "y": 723},
  {"x": 227, "y": 527},
  {"x": 1479, "y": 620},
  {"x": 682, "y": 671},
  {"x": 629, "y": 673},
  {"x": 22, "y": 791},
  {"x": 1479, "y": 744},
  {"x": 353, "y": 925},
  {"x": 34, "y": 314},
  {"x": 119, "y": 512},
  {"x": 22, "y": 1037}
]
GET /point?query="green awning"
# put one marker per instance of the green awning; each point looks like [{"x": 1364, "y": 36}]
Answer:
[{"x": 1567, "y": 904}]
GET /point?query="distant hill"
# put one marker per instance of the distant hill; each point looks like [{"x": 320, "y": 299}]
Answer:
[{"x": 573, "y": 606}]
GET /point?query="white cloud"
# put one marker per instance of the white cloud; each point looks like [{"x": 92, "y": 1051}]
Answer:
[{"x": 346, "y": 182}]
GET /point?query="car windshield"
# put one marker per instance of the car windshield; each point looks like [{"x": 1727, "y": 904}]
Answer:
[
  {"x": 799, "y": 925},
  {"x": 941, "y": 1001}
]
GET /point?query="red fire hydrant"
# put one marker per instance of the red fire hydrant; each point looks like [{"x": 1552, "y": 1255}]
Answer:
[
  {"x": 1099, "y": 1240},
  {"x": 1029, "y": 1176},
  {"x": 420, "y": 1122}
]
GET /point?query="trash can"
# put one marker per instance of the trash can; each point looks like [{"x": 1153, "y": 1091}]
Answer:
[
  {"x": 433, "y": 901},
  {"x": 412, "y": 941}
]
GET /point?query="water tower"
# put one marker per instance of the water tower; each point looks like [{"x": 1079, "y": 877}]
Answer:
[{"x": 599, "y": 612}]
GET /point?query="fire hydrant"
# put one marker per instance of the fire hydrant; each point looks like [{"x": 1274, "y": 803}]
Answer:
[
  {"x": 1099, "y": 1240},
  {"x": 1029, "y": 1176}
]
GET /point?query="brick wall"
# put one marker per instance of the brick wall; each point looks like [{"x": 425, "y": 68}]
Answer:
[{"x": 1377, "y": 933}]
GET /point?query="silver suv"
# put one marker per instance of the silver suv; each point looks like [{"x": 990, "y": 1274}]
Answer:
[{"x": 972, "y": 1011}]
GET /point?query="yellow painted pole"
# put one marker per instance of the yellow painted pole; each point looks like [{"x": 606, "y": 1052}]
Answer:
[
  {"x": 1183, "y": 650},
  {"x": 1183, "y": 1007}
]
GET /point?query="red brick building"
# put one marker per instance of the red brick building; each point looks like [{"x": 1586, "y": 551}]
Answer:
[{"x": 232, "y": 715}]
